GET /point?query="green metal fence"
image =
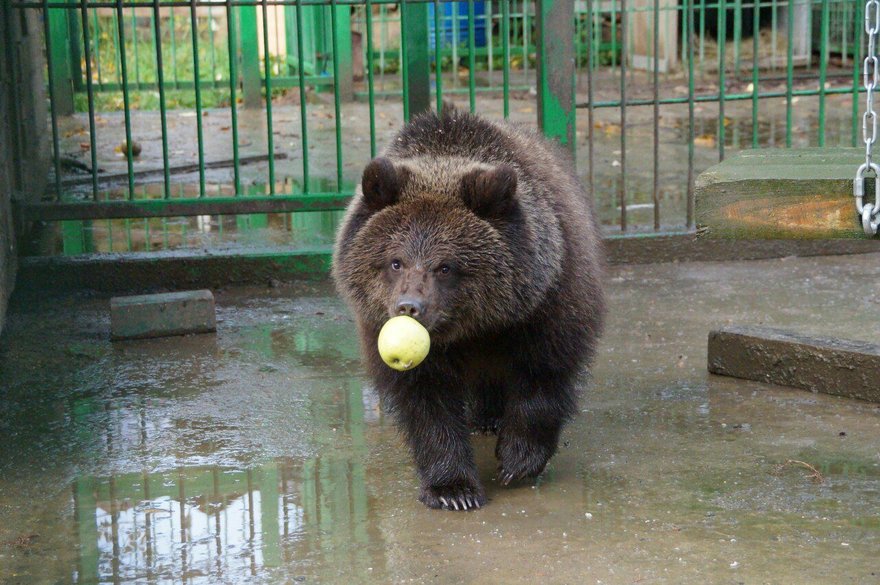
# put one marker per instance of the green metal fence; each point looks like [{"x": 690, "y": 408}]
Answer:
[{"x": 294, "y": 96}]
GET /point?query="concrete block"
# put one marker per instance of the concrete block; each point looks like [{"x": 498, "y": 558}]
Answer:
[
  {"x": 159, "y": 315},
  {"x": 831, "y": 366}
]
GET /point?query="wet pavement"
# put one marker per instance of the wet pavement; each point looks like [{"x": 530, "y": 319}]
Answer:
[{"x": 261, "y": 454}]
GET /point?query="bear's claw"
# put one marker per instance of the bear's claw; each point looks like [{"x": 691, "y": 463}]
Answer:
[{"x": 457, "y": 498}]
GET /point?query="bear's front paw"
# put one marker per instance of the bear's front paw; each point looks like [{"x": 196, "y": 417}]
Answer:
[
  {"x": 521, "y": 458},
  {"x": 453, "y": 497}
]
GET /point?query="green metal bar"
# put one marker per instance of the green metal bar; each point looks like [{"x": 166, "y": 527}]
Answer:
[
  {"x": 232, "y": 43},
  {"x": 180, "y": 207},
  {"x": 197, "y": 78},
  {"x": 472, "y": 63},
  {"x": 97, "y": 53},
  {"x": 53, "y": 113},
  {"x": 91, "y": 98},
  {"x": 756, "y": 20},
  {"x": 737, "y": 34},
  {"x": 126, "y": 103},
  {"x": 114, "y": 39},
  {"x": 789, "y": 80},
  {"x": 160, "y": 77},
  {"x": 334, "y": 39},
  {"x": 689, "y": 219},
  {"x": 302, "y": 94},
  {"x": 823, "y": 68},
  {"x": 250, "y": 57},
  {"x": 417, "y": 96},
  {"x": 591, "y": 147},
  {"x": 173, "y": 26},
  {"x": 857, "y": 43},
  {"x": 370, "y": 82},
  {"x": 134, "y": 43},
  {"x": 438, "y": 55},
  {"x": 556, "y": 73},
  {"x": 404, "y": 59},
  {"x": 213, "y": 43},
  {"x": 715, "y": 97},
  {"x": 267, "y": 63},
  {"x": 722, "y": 69},
  {"x": 622, "y": 185},
  {"x": 656, "y": 172},
  {"x": 505, "y": 48}
]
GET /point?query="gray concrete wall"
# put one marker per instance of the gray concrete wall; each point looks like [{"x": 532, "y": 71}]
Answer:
[{"x": 24, "y": 139}]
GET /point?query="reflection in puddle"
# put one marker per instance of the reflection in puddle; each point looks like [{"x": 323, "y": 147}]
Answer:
[{"x": 198, "y": 524}]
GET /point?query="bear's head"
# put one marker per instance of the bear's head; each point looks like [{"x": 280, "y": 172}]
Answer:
[{"x": 435, "y": 246}]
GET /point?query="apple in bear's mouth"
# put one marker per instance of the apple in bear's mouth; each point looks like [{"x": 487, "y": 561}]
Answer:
[{"x": 403, "y": 343}]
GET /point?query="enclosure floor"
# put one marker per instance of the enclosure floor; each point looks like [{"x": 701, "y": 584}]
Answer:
[{"x": 260, "y": 454}]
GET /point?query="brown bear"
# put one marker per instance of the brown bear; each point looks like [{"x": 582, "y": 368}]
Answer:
[{"x": 481, "y": 232}]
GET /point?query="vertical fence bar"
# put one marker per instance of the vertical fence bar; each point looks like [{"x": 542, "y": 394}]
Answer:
[
  {"x": 417, "y": 67},
  {"x": 172, "y": 26},
  {"x": 213, "y": 45},
  {"x": 126, "y": 104},
  {"x": 197, "y": 85},
  {"x": 160, "y": 79},
  {"x": 134, "y": 46},
  {"x": 250, "y": 56},
  {"x": 97, "y": 54},
  {"x": 505, "y": 48},
  {"x": 232, "y": 44},
  {"x": 84, "y": 11},
  {"x": 857, "y": 43},
  {"x": 756, "y": 21},
  {"x": 404, "y": 58},
  {"x": 438, "y": 55},
  {"x": 472, "y": 57},
  {"x": 622, "y": 186},
  {"x": 267, "y": 61},
  {"x": 656, "y": 191},
  {"x": 334, "y": 41},
  {"x": 370, "y": 87},
  {"x": 53, "y": 113},
  {"x": 789, "y": 72},
  {"x": 591, "y": 175},
  {"x": 556, "y": 71},
  {"x": 300, "y": 56},
  {"x": 823, "y": 68},
  {"x": 722, "y": 68},
  {"x": 689, "y": 220}
]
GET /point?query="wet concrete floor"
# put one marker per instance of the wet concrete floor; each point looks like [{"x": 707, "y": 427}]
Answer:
[{"x": 260, "y": 454}]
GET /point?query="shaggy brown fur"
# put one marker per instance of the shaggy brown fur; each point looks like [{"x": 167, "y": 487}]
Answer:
[{"x": 481, "y": 232}]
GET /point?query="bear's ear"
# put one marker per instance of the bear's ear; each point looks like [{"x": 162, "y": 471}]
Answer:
[
  {"x": 382, "y": 183},
  {"x": 490, "y": 194}
]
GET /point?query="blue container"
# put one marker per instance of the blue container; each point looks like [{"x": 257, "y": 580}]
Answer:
[{"x": 448, "y": 20}]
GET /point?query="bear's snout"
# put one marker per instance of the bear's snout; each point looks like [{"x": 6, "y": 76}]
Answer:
[{"x": 411, "y": 307}]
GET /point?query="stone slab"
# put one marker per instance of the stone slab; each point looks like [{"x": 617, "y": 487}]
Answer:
[
  {"x": 799, "y": 193},
  {"x": 160, "y": 315},
  {"x": 831, "y": 366}
]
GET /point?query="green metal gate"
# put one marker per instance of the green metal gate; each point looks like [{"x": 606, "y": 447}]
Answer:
[{"x": 305, "y": 91}]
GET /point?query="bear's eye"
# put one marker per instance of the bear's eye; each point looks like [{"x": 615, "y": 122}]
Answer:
[
  {"x": 395, "y": 265},
  {"x": 444, "y": 269}
]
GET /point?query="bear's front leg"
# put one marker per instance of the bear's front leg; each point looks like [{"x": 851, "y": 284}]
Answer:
[
  {"x": 437, "y": 432},
  {"x": 536, "y": 409}
]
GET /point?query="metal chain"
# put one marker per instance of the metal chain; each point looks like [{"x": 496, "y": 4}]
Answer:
[{"x": 870, "y": 212}]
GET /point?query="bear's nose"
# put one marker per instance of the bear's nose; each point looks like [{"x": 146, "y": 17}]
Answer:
[{"x": 410, "y": 307}]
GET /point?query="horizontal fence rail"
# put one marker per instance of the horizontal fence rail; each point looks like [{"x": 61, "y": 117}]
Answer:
[{"x": 166, "y": 110}]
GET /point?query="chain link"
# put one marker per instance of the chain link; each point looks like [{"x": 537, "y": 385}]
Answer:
[{"x": 870, "y": 212}]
